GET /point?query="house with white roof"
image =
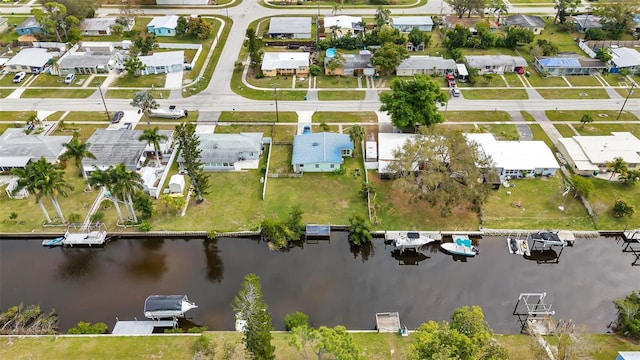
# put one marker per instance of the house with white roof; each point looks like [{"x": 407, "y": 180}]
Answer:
[
  {"x": 162, "y": 62},
  {"x": 589, "y": 155},
  {"x": 430, "y": 65},
  {"x": 163, "y": 25},
  {"x": 408, "y": 23},
  {"x": 532, "y": 22},
  {"x": 343, "y": 24},
  {"x": 496, "y": 64},
  {"x": 285, "y": 63},
  {"x": 290, "y": 27},
  {"x": 628, "y": 355},
  {"x": 182, "y": 2},
  {"x": 624, "y": 58},
  {"x": 97, "y": 26},
  {"x": 29, "y": 60},
  {"x": 388, "y": 145},
  {"x": 230, "y": 152},
  {"x": 320, "y": 152},
  {"x": 18, "y": 148},
  {"x": 516, "y": 159}
]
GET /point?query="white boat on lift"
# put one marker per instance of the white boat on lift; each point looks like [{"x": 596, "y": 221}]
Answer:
[
  {"x": 412, "y": 240},
  {"x": 518, "y": 246},
  {"x": 461, "y": 245},
  {"x": 560, "y": 238}
]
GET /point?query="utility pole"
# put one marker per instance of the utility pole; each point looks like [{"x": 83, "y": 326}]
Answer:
[
  {"x": 275, "y": 96},
  {"x": 317, "y": 19},
  {"x": 103, "y": 102},
  {"x": 633, "y": 84}
]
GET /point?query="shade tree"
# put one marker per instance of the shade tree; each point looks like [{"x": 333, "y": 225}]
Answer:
[{"x": 414, "y": 102}]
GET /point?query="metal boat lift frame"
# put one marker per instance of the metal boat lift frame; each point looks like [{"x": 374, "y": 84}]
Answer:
[{"x": 535, "y": 306}]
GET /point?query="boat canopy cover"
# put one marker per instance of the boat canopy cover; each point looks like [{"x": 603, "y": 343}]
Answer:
[{"x": 164, "y": 303}]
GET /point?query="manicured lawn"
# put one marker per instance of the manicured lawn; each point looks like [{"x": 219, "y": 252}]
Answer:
[
  {"x": 86, "y": 116},
  {"x": 7, "y": 80},
  {"x": 616, "y": 80},
  {"x": 583, "y": 81},
  {"x": 625, "y": 92},
  {"x": 328, "y": 81},
  {"x": 239, "y": 88},
  {"x": 495, "y": 94},
  {"x": 527, "y": 116},
  {"x": 502, "y": 131},
  {"x": 609, "y": 115},
  {"x": 550, "y": 81},
  {"x": 243, "y": 116},
  {"x": 329, "y": 117},
  {"x": 46, "y": 80},
  {"x": 564, "y": 40},
  {"x": 604, "y": 196},
  {"x": 607, "y": 129},
  {"x": 16, "y": 115},
  {"x": 268, "y": 82},
  {"x": 143, "y": 81},
  {"x": 284, "y": 133},
  {"x": 340, "y": 95},
  {"x": 492, "y": 81},
  {"x": 83, "y": 131},
  {"x": 63, "y": 93},
  {"x": 565, "y": 130},
  {"x": 7, "y": 37},
  {"x": 539, "y": 134},
  {"x": 129, "y": 94},
  {"x": 513, "y": 80},
  {"x": 571, "y": 93},
  {"x": 533, "y": 204},
  {"x": 477, "y": 116},
  {"x": 235, "y": 129},
  {"x": 97, "y": 80}
]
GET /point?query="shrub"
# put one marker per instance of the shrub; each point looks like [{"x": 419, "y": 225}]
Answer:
[
  {"x": 88, "y": 328},
  {"x": 197, "y": 329},
  {"x": 98, "y": 216},
  {"x": 295, "y": 319},
  {"x": 203, "y": 347},
  {"x": 73, "y": 217},
  {"x": 145, "y": 226}
]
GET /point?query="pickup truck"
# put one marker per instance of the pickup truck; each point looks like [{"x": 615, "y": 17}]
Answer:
[
  {"x": 451, "y": 80},
  {"x": 171, "y": 113}
]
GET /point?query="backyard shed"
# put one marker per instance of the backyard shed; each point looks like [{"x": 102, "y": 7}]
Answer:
[{"x": 176, "y": 184}]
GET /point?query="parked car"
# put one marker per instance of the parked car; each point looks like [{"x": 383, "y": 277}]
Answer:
[
  {"x": 117, "y": 117},
  {"x": 69, "y": 78},
  {"x": 19, "y": 77},
  {"x": 306, "y": 129},
  {"x": 455, "y": 92}
]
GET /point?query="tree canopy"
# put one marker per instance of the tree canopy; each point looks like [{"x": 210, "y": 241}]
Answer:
[
  {"x": 249, "y": 306},
  {"x": 617, "y": 15},
  {"x": 389, "y": 56},
  {"x": 628, "y": 321},
  {"x": 414, "y": 102},
  {"x": 324, "y": 343}
]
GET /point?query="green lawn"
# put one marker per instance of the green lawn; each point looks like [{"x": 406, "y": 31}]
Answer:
[
  {"x": 7, "y": 37},
  {"x": 625, "y": 92},
  {"x": 607, "y": 129},
  {"x": 495, "y": 94},
  {"x": 565, "y": 130},
  {"x": 329, "y": 81},
  {"x": 616, "y": 80},
  {"x": 129, "y": 94},
  {"x": 7, "y": 80},
  {"x": 571, "y": 93},
  {"x": 583, "y": 80},
  {"x": 550, "y": 81},
  {"x": 527, "y": 116},
  {"x": 360, "y": 117},
  {"x": 268, "y": 82},
  {"x": 513, "y": 80},
  {"x": 477, "y": 116},
  {"x": 143, "y": 81},
  {"x": 239, "y": 88},
  {"x": 539, "y": 134},
  {"x": 501, "y": 131},
  {"x": 284, "y": 133},
  {"x": 533, "y": 204},
  {"x": 16, "y": 115},
  {"x": 341, "y": 95},
  {"x": 83, "y": 131},
  {"x": 603, "y": 198},
  {"x": 490, "y": 81},
  {"x": 244, "y": 116},
  {"x": 86, "y": 116},
  {"x": 235, "y": 129},
  {"x": 609, "y": 115},
  {"x": 46, "y": 80},
  {"x": 63, "y": 93}
]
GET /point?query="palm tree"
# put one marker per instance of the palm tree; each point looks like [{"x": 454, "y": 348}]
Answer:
[
  {"x": 617, "y": 166},
  {"x": 151, "y": 136},
  {"x": 27, "y": 180},
  {"x": 77, "y": 150},
  {"x": 126, "y": 184},
  {"x": 106, "y": 179},
  {"x": 356, "y": 133},
  {"x": 145, "y": 102},
  {"x": 336, "y": 8},
  {"x": 382, "y": 16},
  {"x": 499, "y": 7}
]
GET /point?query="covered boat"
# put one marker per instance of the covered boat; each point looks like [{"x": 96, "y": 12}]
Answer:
[
  {"x": 411, "y": 240},
  {"x": 167, "y": 306},
  {"x": 461, "y": 245}
]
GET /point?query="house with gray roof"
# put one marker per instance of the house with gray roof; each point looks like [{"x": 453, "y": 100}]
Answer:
[
  {"x": 86, "y": 63},
  {"x": 625, "y": 58},
  {"x": 97, "y": 26},
  {"x": 586, "y": 22},
  {"x": 290, "y": 28},
  {"x": 30, "y": 60},
  {"x": 29, "y": 27},
  {"x": 561, "y": 66},
  {"x": 430, "y": 65},
  {"x": 320, "y": 152},
  {"x": 113, "y": 147},
  {"x": 162, "y": 62},
  {"x": 352, "y": 64},
  {"x": 531, "y": 22},
  {"x": 229, "y": 152},
  {"x": 408, "y": 23},
  {"x": 18, "y": 148},
  {"x": 496, "y": 64}
]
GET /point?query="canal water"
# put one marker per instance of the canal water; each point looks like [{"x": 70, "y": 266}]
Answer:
[{"x": 328, "y": 281}]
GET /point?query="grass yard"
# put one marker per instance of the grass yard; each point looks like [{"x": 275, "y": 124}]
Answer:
[
  {"x": 616, "y": 80},
  {"x": 495, "y": 94},
  {"x": 344, "y": 117},
  {"x": 527, "y": 116},
  {"x": 239, "y": 88},
  {"x": 609, "y": 115},
  {"x": 533, "y": 204},
  {"x": 341, "y": 95},
  {"x": 603, "y": 198},
  {"x": 235, "y": 129},
  {"x": 281, "y": 159},
  {"x": 586, "y": 80},
  {"x": 143, "y": 81},
  {"x": 625, "y": 92},
  {"x": 83, "y": 131},
  {"x": 329, "y": 81},
  {"x": 62, "y": 93},
  {"x": 539, "y": 134},
  {"x": 284, "y": 133},
  {"x": 16, "y": 115},
  {"x": 490, "y": 81},
  {"x": 46, "y": 80},
  {"x": 565, "y": 130},
  {"x": 7, "y": 80},
  {"x": 550, "y": 81},
  {"x": 129, "y": 94},
  {"x": 501, "y": 131},
  {"x": 86, "y": 116},
  {"x": 268, "y": 82},
  {"x": 244, "y": 116},
  {"x": 477, "y": 116},
  {"x": 571, "y": 93},
  {"x": 607, "y": 129},
  {"x": 513, "y": 80}
]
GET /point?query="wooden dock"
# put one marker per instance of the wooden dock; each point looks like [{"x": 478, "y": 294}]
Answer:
[
  {"x": 93, "y": 238},
  {"x": 388, "y": 322}
]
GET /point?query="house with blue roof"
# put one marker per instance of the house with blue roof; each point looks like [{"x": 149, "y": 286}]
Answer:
[
  {"x": 562, "y": 66},
  {"x": 320, "y": 152},
  {"x": 29, "y": 27},
  {"x": 163, "y": 25}
]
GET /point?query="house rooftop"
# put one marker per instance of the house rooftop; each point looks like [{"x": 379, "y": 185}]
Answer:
[
  {"x": 515, "y": 155},
  {"x": 587, "y": 21},
  {"x": 290, "y": 25},
  {"x": 388, "y": 144},
  {"x": 167, "y": 22},
  {"x": 525, "y": 21},
  {"x": 85, "y": 59},
  {"x": 96, "y": 24},
  {"x": 34, "y": 57},
  {"x": 163, "y": 58},
  {"x": 481, "y": 61},
  {"x": 426, "y": 62},
  {"x": 343, "y": 21},
  {"x": 411, "y": 20},
  {"x": 16, "y": 147},
  {"x": 28, "y": 23},
  {"x": 604, "y": 148},
  {"x": 285, "y": 60},
  {"x": 226, "y": 147},
  {"x": 320, "y": 147},
  {"x": 625, "y": 57},
  {"x": 112, "y": 147}
]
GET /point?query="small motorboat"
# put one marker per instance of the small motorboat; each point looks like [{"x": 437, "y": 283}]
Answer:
[
  {"x": 412, "y": 240},
  {"x": 53, "y": 242},
  {"x": 518, "y": 246},
  {"x": 461, "y": 245}
]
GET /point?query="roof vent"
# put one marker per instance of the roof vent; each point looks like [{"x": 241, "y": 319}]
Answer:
[{"x": 315, "y": 144}]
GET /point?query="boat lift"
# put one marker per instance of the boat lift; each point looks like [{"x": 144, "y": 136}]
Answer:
[
  {"x": 631, "y": 241},
  {"x": 536, "y": 317}
]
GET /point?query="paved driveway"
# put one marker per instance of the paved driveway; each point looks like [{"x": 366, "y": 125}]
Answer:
[{"x": 173, "y": 80}]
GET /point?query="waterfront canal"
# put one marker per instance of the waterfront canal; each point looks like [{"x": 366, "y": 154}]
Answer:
[{"x": 325, "y": 280}]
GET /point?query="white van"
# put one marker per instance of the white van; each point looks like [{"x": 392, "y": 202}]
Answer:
[{"x": 69, "y": 79}]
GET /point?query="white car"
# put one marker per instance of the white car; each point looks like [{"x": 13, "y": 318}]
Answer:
[
  {"x": 455, "y": 92},
  {"x": 69, "y": 78},
  {"x": 19, "y": 77}
]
